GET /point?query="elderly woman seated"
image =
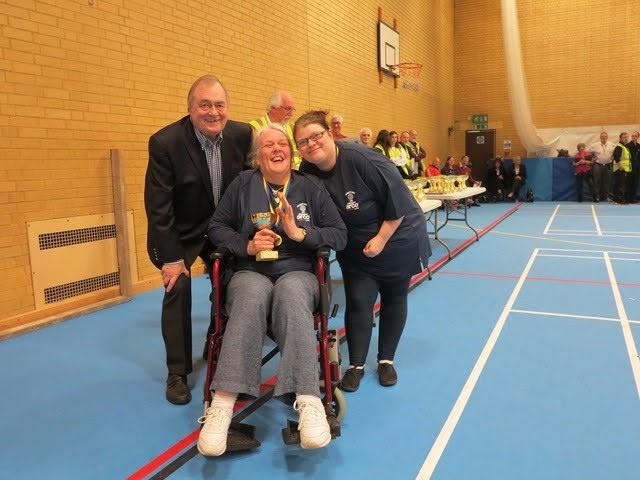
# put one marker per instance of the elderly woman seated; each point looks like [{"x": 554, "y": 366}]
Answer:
[{"x": 285, "y": 288}]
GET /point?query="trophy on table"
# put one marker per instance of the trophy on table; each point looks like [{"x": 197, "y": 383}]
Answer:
[{"x": 261, "y": 221}]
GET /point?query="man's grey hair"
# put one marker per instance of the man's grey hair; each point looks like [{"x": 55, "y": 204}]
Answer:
[
  {"x": 337, "y": 117},
  {"x": 254, "y": 152},
  {"x": 208, "y": 80},
  {"x": 365, "y": 129},
  {"x": 275, "y": 100}
]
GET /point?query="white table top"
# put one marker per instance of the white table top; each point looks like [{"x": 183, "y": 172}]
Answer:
[
  {"x": 466, "y": 193},
  {"x": 428, "y": 204}
]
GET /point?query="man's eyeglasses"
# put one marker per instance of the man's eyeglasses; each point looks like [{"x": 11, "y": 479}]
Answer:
[
  {"x": 208, "y": 106},
  {"x": 288, "y": 109},
  {"x": 304, "y": 142}
]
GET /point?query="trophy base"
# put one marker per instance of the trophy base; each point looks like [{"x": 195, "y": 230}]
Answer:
[{"x": 267, "y": 256}]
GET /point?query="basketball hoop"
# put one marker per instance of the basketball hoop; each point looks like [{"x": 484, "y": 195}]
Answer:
[{"x": 408, "y": 69}]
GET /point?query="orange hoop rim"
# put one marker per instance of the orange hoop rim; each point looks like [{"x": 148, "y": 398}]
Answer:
[{"x": 409, "y": 69}]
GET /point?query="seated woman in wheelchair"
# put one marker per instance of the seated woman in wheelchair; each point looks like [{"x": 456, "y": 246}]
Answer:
[{"x": 285, "y": 289}]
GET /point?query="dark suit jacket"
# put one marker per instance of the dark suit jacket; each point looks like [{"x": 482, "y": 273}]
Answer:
[
  {"x": 493, "y": 183},
  {"x": 512, "y": 175},
  {"x": 178, "y": 196}
]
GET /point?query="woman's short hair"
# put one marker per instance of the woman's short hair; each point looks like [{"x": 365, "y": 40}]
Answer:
[
  {"x": 581, "y": 146},
  {"x": 254, "y": 152},
  {"x": 313, "y": 116}
]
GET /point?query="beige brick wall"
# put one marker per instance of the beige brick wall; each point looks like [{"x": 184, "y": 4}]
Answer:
[
  {"x": 579, "y": 56},
  {"x": 80, "y": 77}
]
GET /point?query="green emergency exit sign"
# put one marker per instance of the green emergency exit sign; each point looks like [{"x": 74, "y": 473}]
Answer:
[{"x": 480, "y": 121}]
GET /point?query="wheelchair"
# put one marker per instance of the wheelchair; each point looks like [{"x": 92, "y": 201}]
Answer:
[{"x": 242, "y": 436}]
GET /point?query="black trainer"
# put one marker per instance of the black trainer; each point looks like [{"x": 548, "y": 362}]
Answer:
[
  {"x": 177, "y": 389},
  {"x": 387, "y": 375},
  {"x": 351, "y": 379}
]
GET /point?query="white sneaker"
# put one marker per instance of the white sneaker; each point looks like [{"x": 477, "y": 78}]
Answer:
[
  {"x": 313, "y": 425},
  {"x": 212, "y": 441}
]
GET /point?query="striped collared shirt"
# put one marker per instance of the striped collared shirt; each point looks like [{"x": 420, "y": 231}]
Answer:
[{"x": 212, "y": 150}]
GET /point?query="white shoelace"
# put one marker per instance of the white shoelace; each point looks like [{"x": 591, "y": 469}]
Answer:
[
  {"x": 215, "y": 414},
  {"x": 309, "y": 413}
]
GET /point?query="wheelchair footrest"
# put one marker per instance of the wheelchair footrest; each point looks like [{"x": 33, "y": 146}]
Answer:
[
  {"x": 241, "y": 437},
  {"x": 334, "y": 426},
  {"x": 290, "y": 434}
]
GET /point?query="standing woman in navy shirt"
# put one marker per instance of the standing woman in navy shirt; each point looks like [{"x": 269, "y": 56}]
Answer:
[{"x": 387, "y": 240}]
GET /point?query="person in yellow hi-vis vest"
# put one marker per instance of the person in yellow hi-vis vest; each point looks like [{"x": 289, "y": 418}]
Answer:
[
  {"x": 280, "y": 110},
  {"x": 621, "y": 168}
]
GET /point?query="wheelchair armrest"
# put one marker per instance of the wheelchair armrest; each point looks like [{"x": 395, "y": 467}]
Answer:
[
  {"x": 220, "y": 253},
  {"x": 323, "y": 252}
]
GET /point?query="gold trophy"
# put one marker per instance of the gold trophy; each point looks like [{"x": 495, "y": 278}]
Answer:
[{"x": 261, "y": 221}]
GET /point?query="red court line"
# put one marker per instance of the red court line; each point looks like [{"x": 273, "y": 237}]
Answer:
[
  {"x": 192, "y": 437},
  {"x": 539, "y": 279}
]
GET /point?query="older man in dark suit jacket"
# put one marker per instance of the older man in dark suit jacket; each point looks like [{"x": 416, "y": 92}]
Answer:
[{"x": 191, "y": 163}]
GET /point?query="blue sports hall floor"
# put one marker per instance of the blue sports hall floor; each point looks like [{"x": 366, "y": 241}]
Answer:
[{"x": 519, "y": 361}]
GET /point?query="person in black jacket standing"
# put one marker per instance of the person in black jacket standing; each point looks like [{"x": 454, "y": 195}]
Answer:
[
  {"x": 191, "y": 162},
  {"x": 517, "y": 177},
  {"x": 634, "y": 178}
]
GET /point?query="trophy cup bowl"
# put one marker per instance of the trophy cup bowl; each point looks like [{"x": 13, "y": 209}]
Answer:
[{"x": 262, "y": 220}]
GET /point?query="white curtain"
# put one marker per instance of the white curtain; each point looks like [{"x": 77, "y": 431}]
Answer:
[
  {"x": 518, "y": 95},
  {"x": 540, "y": 142}
]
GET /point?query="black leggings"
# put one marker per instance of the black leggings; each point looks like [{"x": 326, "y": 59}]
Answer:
[{"x": 361, "y": 292}]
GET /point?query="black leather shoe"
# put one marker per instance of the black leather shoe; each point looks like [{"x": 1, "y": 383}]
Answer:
[
  {"x": 177, "y": 389},
  {"x": 351, "y": 379},
  {"x": 387, "y": 375}
]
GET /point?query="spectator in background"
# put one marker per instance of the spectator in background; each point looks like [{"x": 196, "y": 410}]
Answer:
[
  {"x": 336, "y": 127},
  {"x": 420, "y": 153},
  {"x": 383, "y": 142},
  {"x": 621, "y": 169},
  {"x": 516, "y": 178},
  {"x": 365, "y": 137},
  {"x": 496, "y": 180},
  {"x": 433, "y": 170},
  {"x": 450, "y": 167},
  {"x": 280, "y": 110},
  {"x": 602, "y": 152},
  {"x": 634, "y": 177},
  {"x": 406, "y": 144},
  {"x": 399, "y": 156},
  {"x": 583, "y": 164},
  {"x": 465, "y": 169}
]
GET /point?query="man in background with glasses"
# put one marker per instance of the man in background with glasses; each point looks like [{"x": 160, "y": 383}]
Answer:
[
  {"x": 280, "y": 110},
  {"x": 191, "y": 163}
]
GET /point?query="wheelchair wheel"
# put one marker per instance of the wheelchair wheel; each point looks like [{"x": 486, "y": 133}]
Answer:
[{"x": 340, "y": 403}]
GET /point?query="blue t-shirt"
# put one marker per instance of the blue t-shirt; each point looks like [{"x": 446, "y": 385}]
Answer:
[
  {"x": 231, "y": 226},
  {"x": 367, "y": 189}
]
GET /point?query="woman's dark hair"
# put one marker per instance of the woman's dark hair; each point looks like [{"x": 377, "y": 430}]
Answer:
[
  {"x": 392, "y": 133},
  {"x": 384, "y": 140},
  {"x": 313, "y": 116}
]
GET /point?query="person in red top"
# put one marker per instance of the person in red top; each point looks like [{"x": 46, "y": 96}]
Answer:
[
  {"x": 433, "y": 170},
  {"x": 582, "y": 164}
]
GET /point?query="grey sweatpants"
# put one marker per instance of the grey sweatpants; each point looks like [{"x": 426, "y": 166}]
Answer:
[{"x": 251, "y": 297}]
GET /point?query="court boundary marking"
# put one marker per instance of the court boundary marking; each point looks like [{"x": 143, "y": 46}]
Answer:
[
  {"x": 439, "y": 445},
  {"x": 596, "y": 232}
]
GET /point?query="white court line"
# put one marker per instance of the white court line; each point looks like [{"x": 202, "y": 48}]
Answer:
[
  {"x": 555, "y": 211},
  {"x": 569, "y": 256},
  {"x": 626, "y": 259},
  {"x": 599, "y": 216},
  {"x": 624, "y": 323},
  {"x": 619, "y": 231},
  {"x": 557, "y": 240},
  {"x": 566, "y": 315},
  {"x": 595, "y": 220},
  {"x": 449, "y": 426},
  {"x": 568, "y": 230},
  {"x": 605, "y": 235},
  {"x": 590, "y": 251}
]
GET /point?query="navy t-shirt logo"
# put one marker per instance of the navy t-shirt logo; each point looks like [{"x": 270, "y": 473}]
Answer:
[
  {"x": 303, "y": 216},
  {"x": 351, "y": 205}
]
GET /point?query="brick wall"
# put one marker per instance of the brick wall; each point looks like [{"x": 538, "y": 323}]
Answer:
[
  {"x": 579, "y": 57},
  {"x": 78, "y": 78}
]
